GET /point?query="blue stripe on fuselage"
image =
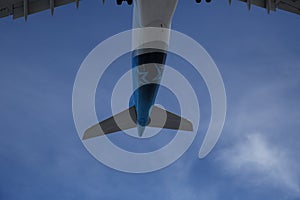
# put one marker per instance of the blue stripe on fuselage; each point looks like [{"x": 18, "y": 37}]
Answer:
[{"x": 144, "y": 96}]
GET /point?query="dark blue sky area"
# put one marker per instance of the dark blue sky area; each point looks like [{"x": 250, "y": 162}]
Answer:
[{"x": 42, "y": 157}]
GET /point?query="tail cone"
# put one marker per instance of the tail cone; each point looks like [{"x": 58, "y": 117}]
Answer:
[{"x": 141, "y": 130}]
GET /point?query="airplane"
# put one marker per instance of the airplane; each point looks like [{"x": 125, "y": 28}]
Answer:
[{"x": 147, "y": 62}]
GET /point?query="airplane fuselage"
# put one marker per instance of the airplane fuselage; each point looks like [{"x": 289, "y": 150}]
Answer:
[
  {"x": 148, "y": 60},
  {"x": 150, "y": 42}
]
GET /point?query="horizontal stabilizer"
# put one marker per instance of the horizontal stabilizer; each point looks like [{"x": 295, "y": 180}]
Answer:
[
  {"x": 161, "y": 118},
  {"x": 126, "y": 119}
]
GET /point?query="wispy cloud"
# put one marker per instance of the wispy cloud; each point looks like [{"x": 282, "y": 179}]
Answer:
[
  {"x": 260, "y": 150},
  {"x": 254, "y": 159}
]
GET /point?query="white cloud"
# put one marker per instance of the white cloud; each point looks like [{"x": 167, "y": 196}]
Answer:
[
  {"x": 262, "y": 137},
  {"x": 254, "y": 159}
]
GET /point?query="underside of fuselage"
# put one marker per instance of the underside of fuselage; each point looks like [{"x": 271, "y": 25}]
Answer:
[
  {"x": 148, "y": 63},
  {"x": 147, "y": 73}
]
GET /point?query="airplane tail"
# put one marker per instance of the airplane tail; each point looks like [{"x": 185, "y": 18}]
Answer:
[{"x": 127, "y": 119}]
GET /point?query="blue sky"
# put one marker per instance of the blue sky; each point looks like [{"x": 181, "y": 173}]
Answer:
[{"x": 255, "y": 158}]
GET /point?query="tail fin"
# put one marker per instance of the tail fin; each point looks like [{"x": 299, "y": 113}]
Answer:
[{"x": 126, "y": 119}]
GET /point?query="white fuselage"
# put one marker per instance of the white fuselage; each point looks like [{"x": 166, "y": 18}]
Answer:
[
  {"x": 149, "y": 52},
  {"x": 152, "y": 13}
]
